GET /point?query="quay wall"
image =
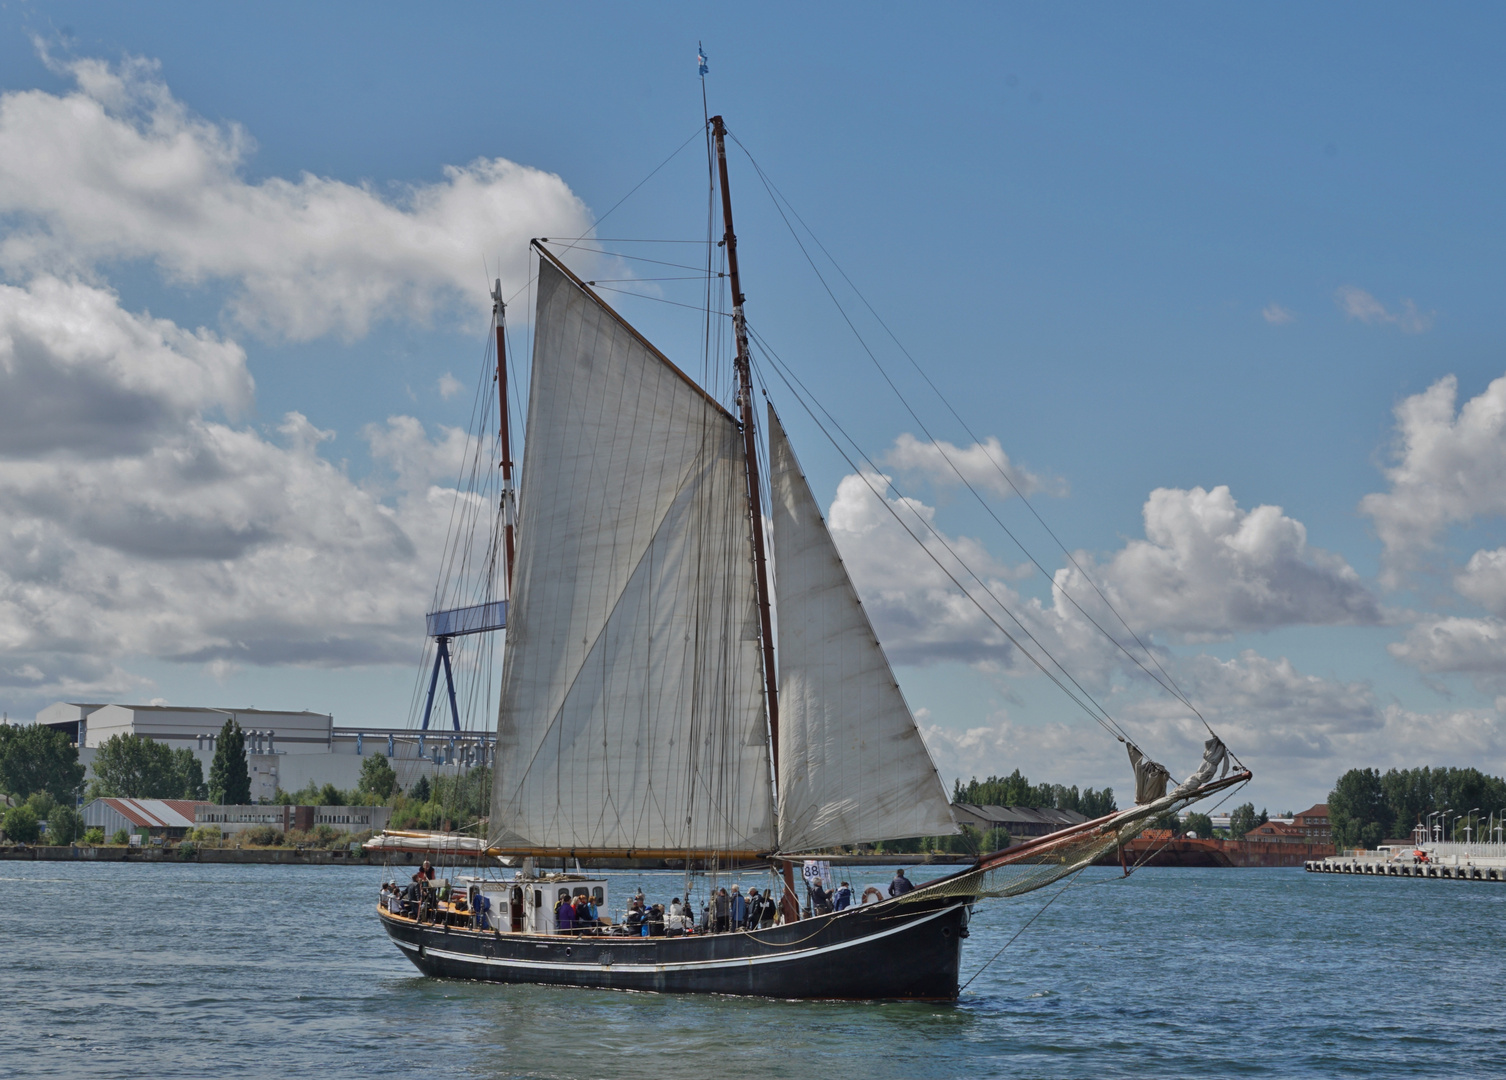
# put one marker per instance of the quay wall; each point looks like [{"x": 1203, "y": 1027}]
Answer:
[
  {"x": 1183, "y": 851},
  {"x": 285, "y": 856},
  {"x": 1460, "y": 866},
  {"x": 271, "y": 856}
]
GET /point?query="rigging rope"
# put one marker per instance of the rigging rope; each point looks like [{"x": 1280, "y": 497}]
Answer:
[
  {"x": 1160, "y": 676},
  {"x": 1099, "y": 714},
  {"x": 1021, "y": 930}
]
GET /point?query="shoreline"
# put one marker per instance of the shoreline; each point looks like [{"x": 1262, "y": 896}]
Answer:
[
  {"x": 283, "y": 856},
  {"x": 1180, "y": 853}
]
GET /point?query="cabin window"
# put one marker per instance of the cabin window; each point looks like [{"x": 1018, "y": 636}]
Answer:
[
  {"x": 564, "y": 894},
  {"x": 581, "y": 890},
  {"x": 538, "y": 898},
  {"x": 599, "y": 896}
]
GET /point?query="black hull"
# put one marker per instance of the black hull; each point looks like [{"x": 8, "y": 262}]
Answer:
[{"x": 888, "y": 951}]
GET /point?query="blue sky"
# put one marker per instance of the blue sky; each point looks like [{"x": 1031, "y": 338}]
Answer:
[{"x": 1173, "y": 249}]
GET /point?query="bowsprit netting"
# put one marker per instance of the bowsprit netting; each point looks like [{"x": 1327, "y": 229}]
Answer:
[{"x": 1037, "y": 863}]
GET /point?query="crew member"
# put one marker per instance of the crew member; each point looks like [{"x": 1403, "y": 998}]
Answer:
[{"x": 901, "y": 884}]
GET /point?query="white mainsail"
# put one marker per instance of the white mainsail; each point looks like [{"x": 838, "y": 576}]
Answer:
[
  {"x": 632, "y": 710},
  {"x": 852, "y": 765}
]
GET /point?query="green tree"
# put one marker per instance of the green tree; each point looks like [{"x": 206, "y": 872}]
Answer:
[
  {"x": 329, "y": 795},
  {"x": 421, "y": 790},
  {"x": 134, "y": 767},
  {"x": 21, "y": 825},
  {"x": 1412, "y": 794},
  {"x": 1357, "y": 810},
  {"x": 1017, "y": 790},
  {"x": 229, "y": 778},
  {"x": 1201, "y": 824},
  {"x": 188, "y": 776},
  {"x": 64, "y": 825},
  {"x": 1243, "y": 819},
  {"x": 37, "y": 758},
  {"x": 377, "y": 777}
]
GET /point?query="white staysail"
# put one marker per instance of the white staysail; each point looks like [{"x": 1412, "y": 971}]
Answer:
[
  {"x": 852, "y": 765},
  {"x": 632, "y": 707}
]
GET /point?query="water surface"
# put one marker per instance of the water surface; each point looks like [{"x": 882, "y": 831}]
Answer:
[{"x": 165, "y": 971}]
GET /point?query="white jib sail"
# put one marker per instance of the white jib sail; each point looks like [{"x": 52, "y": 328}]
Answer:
[
  {"x": 852, "y": 765},
  {"x": 632, "y": 704}
]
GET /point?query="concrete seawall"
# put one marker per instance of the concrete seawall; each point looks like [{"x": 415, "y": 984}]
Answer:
[
  {"x": 110, "y": 853},
  {"x": 1156, "y": 849},
  {"x": 1447, "y": 861}
]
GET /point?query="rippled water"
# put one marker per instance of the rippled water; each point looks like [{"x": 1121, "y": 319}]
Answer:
[{"x": 259, "y": 971}]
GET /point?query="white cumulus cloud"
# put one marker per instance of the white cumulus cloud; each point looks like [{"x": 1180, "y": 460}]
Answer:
[
  {"x": 449, "y": 386},
  {"x": 1359, "y": 305},
  {"x": 179, "y": 535},
  {"x": 119, "y": 169},
  {"x": 984, "y": 465},
  {"x": 1208, "y": 568},
  {"x": 1439, "y": 645},
  {"x": 1450, "y": 469},
  {"x": 82, "y": 377},
  {"x": 1276, "y": 315}
]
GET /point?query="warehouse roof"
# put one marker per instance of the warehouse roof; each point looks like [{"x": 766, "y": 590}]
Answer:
[
  {"x": 155, "y": 813},
  {"x": 995, "y": 816}
]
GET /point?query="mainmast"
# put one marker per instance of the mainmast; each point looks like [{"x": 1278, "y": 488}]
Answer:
[
  {"x": 788, "y": 902},
  {"x": 509, "y": 501},
  {"x": 750, "y": 446}
]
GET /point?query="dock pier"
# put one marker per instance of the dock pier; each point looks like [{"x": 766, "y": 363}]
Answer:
[{"x": 1449, "y": 861}]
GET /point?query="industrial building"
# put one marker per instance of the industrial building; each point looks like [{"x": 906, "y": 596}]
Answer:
[
  {"x": 169, "y": 818},
  {"x": 237, "y": 819},
  {"x": 1021, "y": 822},
  {"x": 286, "y": 750}
]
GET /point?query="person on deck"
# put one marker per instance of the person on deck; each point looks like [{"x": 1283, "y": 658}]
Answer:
[
  {"x": 720, "y": 912},
  {"x": 755, "y": 909},
  {"x": 844, "y": 897},
  {"x": 675, "y": 920},
  {"x": 656, "y": 921},
  {"x": 480, "y": 906},
  {"x": 737, "y": 908},
  {"x": 583, "y": 920},
  {"x": 564, "y": 916},
  {"x": 820, "y": 901},
  {"x": 901, "y": 884},
  {"x": 424, "y": 872},
  {"x": 635, "y": 917}
]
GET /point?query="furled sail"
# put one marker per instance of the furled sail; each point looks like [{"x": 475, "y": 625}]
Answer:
[
  {"x": 852, "y": 765},
  {"x": 632, "y": 707}
]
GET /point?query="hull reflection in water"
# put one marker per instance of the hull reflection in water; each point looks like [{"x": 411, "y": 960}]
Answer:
[{"x": 880, "y": 951}]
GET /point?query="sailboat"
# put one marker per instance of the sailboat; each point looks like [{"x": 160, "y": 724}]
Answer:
[{"x": 643, "y": 714}]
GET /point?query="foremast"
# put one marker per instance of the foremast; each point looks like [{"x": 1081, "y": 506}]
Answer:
[{"x": 509, "y": 503}]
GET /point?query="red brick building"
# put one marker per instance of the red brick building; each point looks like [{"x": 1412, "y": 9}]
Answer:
[
  {"x": 1279, "y": 832},
  {"x": 1314, "y": 824}
]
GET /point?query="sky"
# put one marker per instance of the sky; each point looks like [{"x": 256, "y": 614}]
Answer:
[{"x": 1217, "y": 288}]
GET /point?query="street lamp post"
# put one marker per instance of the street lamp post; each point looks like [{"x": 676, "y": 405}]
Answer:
[{"x": 1469, "y": 826}]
